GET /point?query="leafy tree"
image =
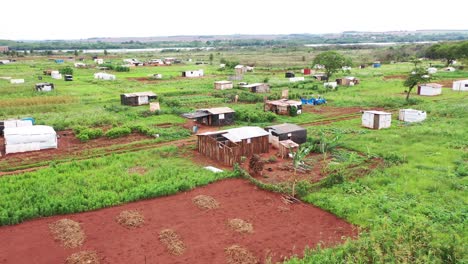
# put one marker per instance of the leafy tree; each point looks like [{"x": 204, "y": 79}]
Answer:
[
  {"x": 211, "y": 58},
  {"x": 66, "y": 70},
  {"x": 418, "y": 75},
  {"x": 76, "y": 53},
  {"x": 105, "y": 52},
  {"x": 333, "y": 62},
  {"x": 448, "y": 51}
]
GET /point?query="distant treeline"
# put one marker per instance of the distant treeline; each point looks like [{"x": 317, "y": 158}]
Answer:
[{"x": 282, "y": 40}]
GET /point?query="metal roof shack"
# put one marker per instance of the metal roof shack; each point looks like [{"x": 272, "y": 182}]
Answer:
[
  {"x": 137, "y": 98},
  {"x": 228, "y": 146},
  {"x": 257, "y": 87},
  {"x": 286, "y": 131},
  {"x": 217, "y": 116},
  {"x": 283, "y": 106},
  {"x": 223, "y": 85}
]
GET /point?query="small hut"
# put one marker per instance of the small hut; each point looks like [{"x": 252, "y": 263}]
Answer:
[
  {"x": 44, "y": 87},
  {"x": 411, "y": 115},
  {"x": 376, "y": 119},
  {"x": 429, "y": 89},
  {"x": 223, "y": 85},
  {"x": 286, "y": 131},
  {"x": 29, "y": 138},
  {"x": 228, "y": 146},
  {"x": 320, "y": 77},
  {"x": 240, "y": 69},
  {"x": 289, "y": 74},
  {"x": 218, "y": 116},
  {"x": 376, "y": 64},
  {"x": 347, "y": 81},
  {"x": 138, "y": 98},
  {"x": 192, "y": 74},
  {"x": 306, "y": 71},
  {"x": 104, "y": 76},
  {"x": 461, "y": 85},
  {"x": 257, "y": 87},
  {"x": 283, "y": 106}
]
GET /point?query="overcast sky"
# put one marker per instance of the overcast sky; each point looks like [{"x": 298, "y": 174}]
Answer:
[{"x": 59, "y": 19}]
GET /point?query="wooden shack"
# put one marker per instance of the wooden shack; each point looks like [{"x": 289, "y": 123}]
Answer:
[
  {"x": 257, "y": 87},
  {"x": 218, "y": 116},
  {"x": 240, "y": 69},
  {"x": 223, "y": 85},
  {"x": 139, "y": 98},
  {"x": 320, "y": 77},
  {"x": 228, "y": 146},
  {"x": 286, "y": 131},
  {"x": 283, "y": 106}
]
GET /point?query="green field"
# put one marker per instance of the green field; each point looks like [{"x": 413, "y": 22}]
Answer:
[{"x": 413, "y": 209}]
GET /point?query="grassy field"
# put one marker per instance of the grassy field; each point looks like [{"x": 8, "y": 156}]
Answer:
[{"x": 411, "y": 210}]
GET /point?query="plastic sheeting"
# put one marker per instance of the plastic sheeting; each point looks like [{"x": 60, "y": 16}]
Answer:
[{"x": 31, "y": 138}]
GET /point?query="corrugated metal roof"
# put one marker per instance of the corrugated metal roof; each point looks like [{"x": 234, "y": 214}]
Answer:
[
  {"x": 219, "y": 110},
  {"x": 223, "y": 82},
  {"x": 284, "y": 102},
  {"x": 285, "y": 128},
  {"x": 139, "y": 94},
  {"x": 240, "y": 133}
]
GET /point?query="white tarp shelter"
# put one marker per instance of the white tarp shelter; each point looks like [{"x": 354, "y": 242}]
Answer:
[
  {"x": 431, "y": 70},
  {"x": 104, "y": 76},
  {"x": 191, "y": 74},
  {"x": 412, "y": 115},
  {"x": 330, "y": 85},
  {"x": 461, "y": 85},
  {"x": 16, "y": 81},
  {"x": 376, "y": 119},
  {"x": 31, "y": 138},
  {"x": 56, "y": 75},
  {"x": 430, "y": 89},
  {"x": 296, "y": 79}
]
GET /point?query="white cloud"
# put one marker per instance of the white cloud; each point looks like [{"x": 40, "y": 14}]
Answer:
[{"x": 54, "y": 19}]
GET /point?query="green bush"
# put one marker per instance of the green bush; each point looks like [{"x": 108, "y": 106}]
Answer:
[
  {"x": 82, "y": 137},
  {"x": 117, "y": 132},
  {"x": 66, "y": 70},
  {"x": 121, "y": 69},
  {"x": 253, "y": 116}
]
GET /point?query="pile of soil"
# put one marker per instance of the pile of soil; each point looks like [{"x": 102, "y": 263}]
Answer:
[
  {"x": 240, "y": 225},
  {"x": 68, "y": 232},
  {"x": 205, "y": 202},
  {"x": 130, "y": 219},
  {"x": 236, "y": 254},
  {"x": 172, "y": 241},
  {"x": 83, "y": 257}
]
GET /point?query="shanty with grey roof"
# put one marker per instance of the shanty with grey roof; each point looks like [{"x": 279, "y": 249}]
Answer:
[
  {"x": 286, "y": 131},
  {"x": 137, "y": 98},
  {"x": 218, "y": 116}
]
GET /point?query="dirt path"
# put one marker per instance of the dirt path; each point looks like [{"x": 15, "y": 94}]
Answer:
[{"x": 279, "y": 229}]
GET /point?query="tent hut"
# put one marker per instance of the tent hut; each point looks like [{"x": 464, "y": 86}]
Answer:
[
  {"x": 376, "y": 64},
  {"x": 104, "y": 76},
  {"x": 431, "y": 70},
  {"x": 68, "y": 77},
  {"x": 376, "y": 119},
  {"x": 192, "y": 74},
  {"x": 430, "y": 89},
  {"x": 44, "y": 87},
  {"x": 286, "y": 131},
  {"x": 14, "y": 123},
  {"x": 139, "y": 98},
  {"x": 218, "y": 116},
  {"x": 257, "y": 87},
  {"x": 29, "y": 138},
  {"x": 228, "y": 146},
  {"x": 297, "y": 79},
  {"x": 223, "y": 85},
  {"x": 461, "y": 85},
  {"x": 411, "y": 115},
  {"x": 283, "y": 106},
  {"x": 56, "y": 75},
  {"x": 306, "y": 71},
  {"x": 449, "y": 69}
]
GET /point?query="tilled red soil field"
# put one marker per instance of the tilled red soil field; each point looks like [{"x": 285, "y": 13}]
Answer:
[{"x": 279, "y": 229}]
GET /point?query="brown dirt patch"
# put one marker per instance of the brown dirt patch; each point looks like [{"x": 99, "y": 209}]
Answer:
[
  {"x": 68, "y": 232},
  {"x": 238, "y": 255},
  {"x": 393, "y": 77},
  {"x": 137, "y": 170},
  {"x": 172, "y": 241},
  {"x": 240, "y": 225},
  {"x": 204, "y": 232},
  {"x": 130, "y": 219},
  {"x": 447, "y": 83},
  {"x": 83, "y": 257},
  {"x": 205, "y": 202}
]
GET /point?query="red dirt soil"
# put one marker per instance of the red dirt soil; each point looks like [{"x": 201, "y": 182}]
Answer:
[{"x": 279, "y": 230}]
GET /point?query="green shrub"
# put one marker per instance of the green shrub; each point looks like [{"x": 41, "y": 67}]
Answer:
[
  {"x": 117, "y": 132},
  {"x": 66, "y": 70},
  {"x": 121, "y": 69},
  {"x": 82, "y": 137},
  {"x": 253, "y": 116}
]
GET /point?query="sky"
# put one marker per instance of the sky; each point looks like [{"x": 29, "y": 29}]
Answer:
[{"x": 59, "y": 19}]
